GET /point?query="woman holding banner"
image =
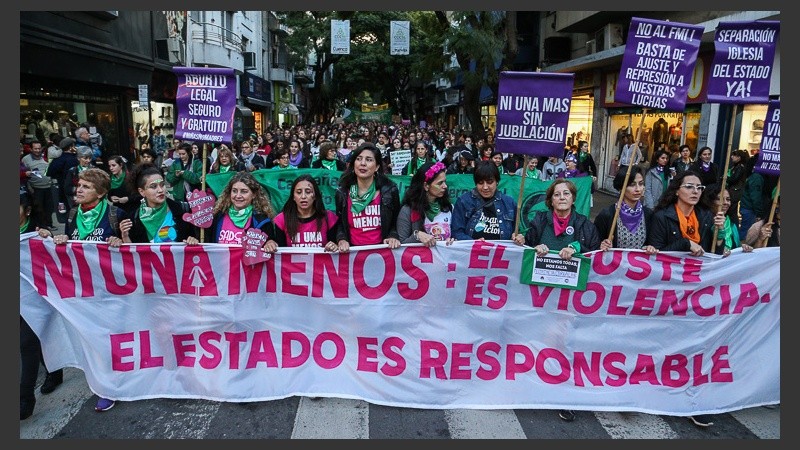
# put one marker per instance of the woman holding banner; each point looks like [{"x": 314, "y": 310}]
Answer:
[
  {"x": 93, "y": 219},
  {"x": 563, "y": 229},
  {"x": 157, "y": 218},
  {"x": 678, "y": 225},
  {"x": 367, "y": 202},
  {"x": 241, "y": 205},
  {"x": 633, "y": 221},
  {"x": 484, "y": 212},
  {"x": 304, "y": 221},
  {"x": 427, "y": 213}
]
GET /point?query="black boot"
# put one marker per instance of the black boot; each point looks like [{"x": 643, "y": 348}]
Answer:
[
  {"x": 26, "y": 408},
  {"x": 52, "y": 381}
]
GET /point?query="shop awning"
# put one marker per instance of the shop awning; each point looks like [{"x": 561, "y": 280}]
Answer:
[
  {"x": 258, "y": 102},
  {"x": 291, "y": 108}
]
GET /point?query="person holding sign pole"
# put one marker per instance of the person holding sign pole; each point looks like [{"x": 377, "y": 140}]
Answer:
[
  {"x": 728, "y": 236},
  {"x": 563, "y": 229},
  {"x": 633, "y": 221}
]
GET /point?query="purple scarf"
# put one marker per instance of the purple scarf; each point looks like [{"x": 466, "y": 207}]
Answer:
[{"x": 631, "y": 217}]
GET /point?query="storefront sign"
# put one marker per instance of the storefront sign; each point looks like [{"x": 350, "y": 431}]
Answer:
[
  {"x": 657, "y": 64},
  {"x": 533, "y": 112},
  {"x": 206, "y": 102},
  {"x": 769, "y": 156},
  {"x": 743, "y": 58}
]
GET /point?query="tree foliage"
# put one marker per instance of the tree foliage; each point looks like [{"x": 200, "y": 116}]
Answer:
[{"x": 483, "y": 43}]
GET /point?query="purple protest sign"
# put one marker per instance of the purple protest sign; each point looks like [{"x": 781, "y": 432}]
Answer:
[
  {"x": 533, "y": 112},
  {"x": 769, "y": 154},
  {"x": 743, "y": 56},
  {"x": 658, "y": 62},
  {"x": 206, "y": 101}
]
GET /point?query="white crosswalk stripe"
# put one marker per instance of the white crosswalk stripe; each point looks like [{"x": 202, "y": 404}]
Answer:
[
  {"x": 483, "y": 424},
  {"x": 632, "y": 425},
  {"x": 331, "y": 418}
]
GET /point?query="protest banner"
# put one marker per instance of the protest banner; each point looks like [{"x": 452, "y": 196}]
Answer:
[{"x": 441, "y": 327}]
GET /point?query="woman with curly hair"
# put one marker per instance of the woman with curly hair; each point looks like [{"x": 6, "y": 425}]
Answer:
[
  {"x": 241, "y": 205},
  {"x": 427, "y": 212}
]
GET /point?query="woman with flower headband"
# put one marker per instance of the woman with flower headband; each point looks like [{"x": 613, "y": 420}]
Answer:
[{"x": 426, "y": 212}]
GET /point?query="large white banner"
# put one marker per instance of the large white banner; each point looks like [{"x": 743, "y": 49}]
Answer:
[
  {"x": 340, "y": 37},
  {"x": 400, "y": 36},
  {"x": 442, "y": 327}
]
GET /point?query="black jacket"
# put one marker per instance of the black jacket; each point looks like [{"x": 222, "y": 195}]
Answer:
[
  {"x": 585, "y": 231},
  {"x": 390, "y": 209},
  {"x": 665, "y": 230},
  {"x": 138, "y": 233}
]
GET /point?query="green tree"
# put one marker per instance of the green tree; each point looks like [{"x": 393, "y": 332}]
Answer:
[{"x": 484, "y": 44}]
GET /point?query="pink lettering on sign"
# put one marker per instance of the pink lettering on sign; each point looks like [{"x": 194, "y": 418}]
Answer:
[
  {"x": 253, "y": 241},
  {"x": 202, "y": 206}
]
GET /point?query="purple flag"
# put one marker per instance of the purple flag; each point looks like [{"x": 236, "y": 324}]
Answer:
[
  {"x": 206, "y": 101},
  {"x": 743, "y": 57},
  {"x": 769, "y": 155},
  {"x": 533, "y": 112},
  {"x": 658, "y": 62}
]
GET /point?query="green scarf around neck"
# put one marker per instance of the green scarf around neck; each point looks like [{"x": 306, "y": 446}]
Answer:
[
  {"x": 24, "y": 226},
  {"x": 87, "y": 221},
  {"x": 117, "y": 180},
  {"x": 152, "y": 218},
  {"x": 329, "y": 164},
  {"x": 240, "y": 217},
  {"x": 360, "y": 202},
  {"x": 434, "y": 208}
]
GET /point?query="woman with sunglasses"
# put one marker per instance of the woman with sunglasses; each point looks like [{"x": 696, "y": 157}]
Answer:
[{"x": 678, "y": 224}]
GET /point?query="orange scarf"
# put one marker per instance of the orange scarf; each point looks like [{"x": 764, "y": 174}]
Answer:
[{"x": 690, "y": 227}]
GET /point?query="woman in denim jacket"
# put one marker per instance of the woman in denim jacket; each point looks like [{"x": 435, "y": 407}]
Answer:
[{"x": 484, "y": 212}]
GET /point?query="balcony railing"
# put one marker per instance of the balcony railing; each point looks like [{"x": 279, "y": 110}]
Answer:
[{"x": 209, "y": 33}]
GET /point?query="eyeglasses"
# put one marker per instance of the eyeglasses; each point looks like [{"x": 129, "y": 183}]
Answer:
[{"x": 693, "y": 187}]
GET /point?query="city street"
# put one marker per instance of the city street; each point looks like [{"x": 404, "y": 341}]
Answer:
[{"x": 69, "y": 413}]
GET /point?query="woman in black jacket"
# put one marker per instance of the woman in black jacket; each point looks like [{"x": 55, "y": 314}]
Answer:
[
  {"x": 157, "y": 218},
  {"x": 367, "y": 202},
  {"x": 678, "y": 224}
]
